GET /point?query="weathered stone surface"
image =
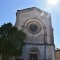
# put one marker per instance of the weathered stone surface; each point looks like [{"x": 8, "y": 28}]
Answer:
[{"x": 43, "y": 40}]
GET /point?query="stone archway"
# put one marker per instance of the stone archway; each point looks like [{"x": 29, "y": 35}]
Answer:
[{"x": 33, "y": 55}]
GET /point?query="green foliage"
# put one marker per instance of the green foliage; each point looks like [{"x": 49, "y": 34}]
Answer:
[{"x": 11, "y": 40}]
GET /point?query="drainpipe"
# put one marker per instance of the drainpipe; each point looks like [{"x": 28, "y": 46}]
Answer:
[{"x": 45, "y": 41}]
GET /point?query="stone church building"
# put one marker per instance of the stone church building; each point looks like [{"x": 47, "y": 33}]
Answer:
[
  {"x": 39, "y": 44},
  {"x": 38, "y": 28}
]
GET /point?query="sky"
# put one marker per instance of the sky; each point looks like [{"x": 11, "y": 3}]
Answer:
[{"x": 8, "y": 9}]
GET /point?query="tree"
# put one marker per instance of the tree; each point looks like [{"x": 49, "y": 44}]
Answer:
[{"x": 11, "y": 40}]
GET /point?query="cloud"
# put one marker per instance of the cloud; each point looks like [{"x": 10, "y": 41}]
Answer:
[{"x": 51, "y": 4}]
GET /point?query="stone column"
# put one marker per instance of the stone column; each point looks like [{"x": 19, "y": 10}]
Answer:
[
  {"x": 1, "y": 57},
  {"x": 13, "y": 57}
]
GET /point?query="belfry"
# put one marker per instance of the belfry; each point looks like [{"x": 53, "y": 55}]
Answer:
[{"x": 39, "y": 44}]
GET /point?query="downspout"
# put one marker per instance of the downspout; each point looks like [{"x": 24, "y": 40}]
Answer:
[{"x": 45, "y": 41}]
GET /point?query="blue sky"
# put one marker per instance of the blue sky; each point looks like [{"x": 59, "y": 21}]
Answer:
[{"x": 8, "y": 10}]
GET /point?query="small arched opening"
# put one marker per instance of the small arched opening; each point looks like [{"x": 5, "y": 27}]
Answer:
[{"x": 33, "y": 54}]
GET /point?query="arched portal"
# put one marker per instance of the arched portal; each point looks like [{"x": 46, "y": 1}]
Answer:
[{"x": 33, "y": 54}]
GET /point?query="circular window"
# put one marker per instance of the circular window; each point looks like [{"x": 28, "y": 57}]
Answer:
[{"x": 33, "y": 26}]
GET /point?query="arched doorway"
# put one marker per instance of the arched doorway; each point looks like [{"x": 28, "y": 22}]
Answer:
[{"x": 33, "y": 55}]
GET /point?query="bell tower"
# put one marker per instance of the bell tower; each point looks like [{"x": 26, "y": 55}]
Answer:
[{"x": 38, "y": 28}]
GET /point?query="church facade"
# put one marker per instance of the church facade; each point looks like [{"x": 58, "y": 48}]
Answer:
[{"x": 38, "y": 28}]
